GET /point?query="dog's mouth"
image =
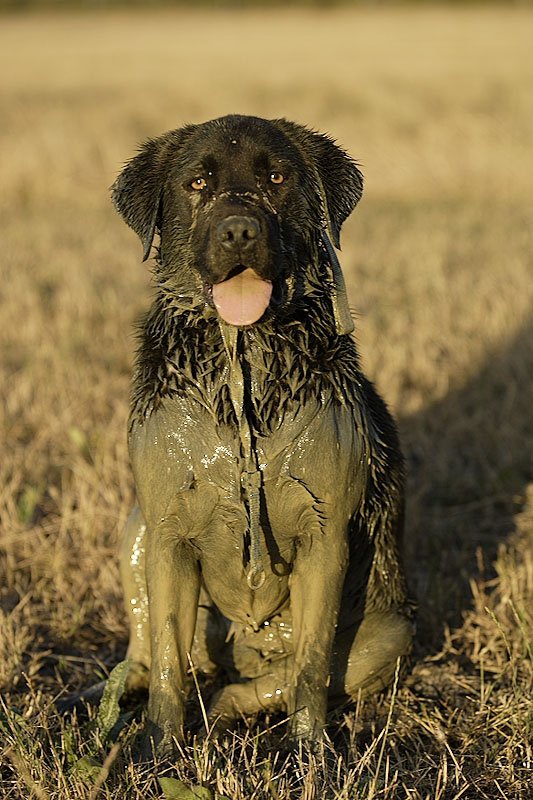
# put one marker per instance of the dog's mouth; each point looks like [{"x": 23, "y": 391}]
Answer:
[{"x": 242, "y": 297}]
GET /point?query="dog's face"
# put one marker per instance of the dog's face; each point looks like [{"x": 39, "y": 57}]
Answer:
[
  {"x": 240, "y": 202},
  {"x": 237, "y": 187}
]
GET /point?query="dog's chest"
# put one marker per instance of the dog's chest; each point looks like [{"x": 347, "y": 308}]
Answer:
[{"x": 196, "y": 481}]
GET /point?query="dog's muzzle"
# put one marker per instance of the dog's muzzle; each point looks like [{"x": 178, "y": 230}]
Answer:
[
  {"x": 241, "y": 291},
  {"x": 238, "y": 234}
]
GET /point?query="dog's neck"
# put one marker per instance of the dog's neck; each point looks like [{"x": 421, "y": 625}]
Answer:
[{"x": 291, "y": 356}]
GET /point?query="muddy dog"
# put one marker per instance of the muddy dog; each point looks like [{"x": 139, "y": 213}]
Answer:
[{"x": 268, "y": 470}]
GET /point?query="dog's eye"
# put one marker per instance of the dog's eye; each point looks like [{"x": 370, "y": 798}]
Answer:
[
  {"x": 276, "y": 177},
  {"x": 199, "y": 184}
]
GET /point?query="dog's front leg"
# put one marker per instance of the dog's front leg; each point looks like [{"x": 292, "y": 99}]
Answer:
[
  {"x": 316, "y": 589},
  {"x": 173, "y": 580}
]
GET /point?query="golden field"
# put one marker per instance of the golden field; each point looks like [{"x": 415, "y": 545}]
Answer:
[{"x": 436, "y": 104}]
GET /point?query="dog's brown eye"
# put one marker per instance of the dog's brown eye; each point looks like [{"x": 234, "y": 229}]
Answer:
[
  {"x": 276, "y": 177},
  {"x": 199, "y": 184}
]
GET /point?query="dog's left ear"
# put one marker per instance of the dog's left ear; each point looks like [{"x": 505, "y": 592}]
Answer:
[
  {"x": 137, "y": 193},
  {"x": 339, "y": 179}
]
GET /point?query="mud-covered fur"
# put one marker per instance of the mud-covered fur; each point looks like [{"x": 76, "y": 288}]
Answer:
[{"x": 268, "y": 470}]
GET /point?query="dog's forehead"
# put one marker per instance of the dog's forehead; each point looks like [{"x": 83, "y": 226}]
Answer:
[{"x": 241, "y": 137}]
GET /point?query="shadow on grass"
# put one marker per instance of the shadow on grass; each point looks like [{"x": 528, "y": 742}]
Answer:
[{"x": 469, "y": 460}]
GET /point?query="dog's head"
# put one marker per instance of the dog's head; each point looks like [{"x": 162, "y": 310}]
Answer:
[{"x": 239, "y": 203}]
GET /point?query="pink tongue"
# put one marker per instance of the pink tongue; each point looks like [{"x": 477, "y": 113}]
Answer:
[{"x": 243, "y": 299}]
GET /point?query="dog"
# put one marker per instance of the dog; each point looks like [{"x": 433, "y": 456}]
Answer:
[{"x": 268, "y": 470}]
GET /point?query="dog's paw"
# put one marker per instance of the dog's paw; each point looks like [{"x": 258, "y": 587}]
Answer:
[
  {"x": 305, "y": 727},
  {"x": 157, "y": 748},
  {"x": 309, "y": 765}
]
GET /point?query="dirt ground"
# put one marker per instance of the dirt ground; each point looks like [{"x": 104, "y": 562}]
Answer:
[{"x": 436, "y": 106}]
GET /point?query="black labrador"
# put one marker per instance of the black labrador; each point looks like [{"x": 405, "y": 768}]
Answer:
[{"x": 268, "y": 471}]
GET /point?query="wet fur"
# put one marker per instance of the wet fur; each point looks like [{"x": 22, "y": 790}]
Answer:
[{"x": 295, "y": 359}]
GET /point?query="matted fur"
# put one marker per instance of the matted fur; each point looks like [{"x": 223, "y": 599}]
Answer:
[{"x": 282, "y": 456}]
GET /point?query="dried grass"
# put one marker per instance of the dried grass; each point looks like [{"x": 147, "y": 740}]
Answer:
[{"x": 436, "y": 105}]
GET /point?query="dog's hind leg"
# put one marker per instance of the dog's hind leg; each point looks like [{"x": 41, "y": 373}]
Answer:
[
  {"x": 266, "y": 693},
  {"x": 366, "y": 663}
]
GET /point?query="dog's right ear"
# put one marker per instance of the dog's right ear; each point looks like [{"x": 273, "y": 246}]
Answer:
[{"x": 137, "y": 193}]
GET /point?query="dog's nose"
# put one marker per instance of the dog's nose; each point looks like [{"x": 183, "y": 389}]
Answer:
[{"x": 237, "y": 233}]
